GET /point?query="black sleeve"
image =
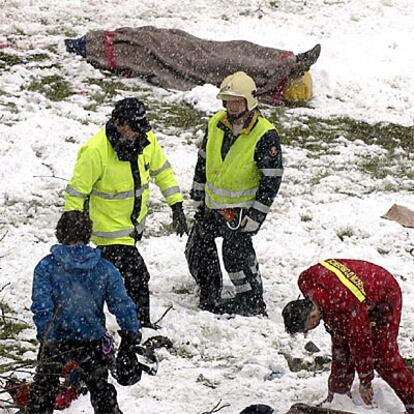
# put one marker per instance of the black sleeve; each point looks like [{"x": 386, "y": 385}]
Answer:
[
  {"x": 268, "y": 157},
  {"x": 197, "y": 192}
]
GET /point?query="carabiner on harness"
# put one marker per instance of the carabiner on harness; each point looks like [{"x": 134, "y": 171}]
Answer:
[{"x": 237, "y": 226}]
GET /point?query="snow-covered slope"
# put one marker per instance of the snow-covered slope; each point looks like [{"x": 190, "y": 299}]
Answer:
[{"x": 365, "y": 72}]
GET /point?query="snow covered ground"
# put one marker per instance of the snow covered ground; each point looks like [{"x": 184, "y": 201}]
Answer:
[{"x": 365, "y": 72}]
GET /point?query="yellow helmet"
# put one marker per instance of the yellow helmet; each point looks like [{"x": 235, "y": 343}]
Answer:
[{"x": 239, "y": 85}]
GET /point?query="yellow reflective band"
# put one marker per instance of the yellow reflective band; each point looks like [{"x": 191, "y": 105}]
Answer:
[{"x": 347, "y": 277}]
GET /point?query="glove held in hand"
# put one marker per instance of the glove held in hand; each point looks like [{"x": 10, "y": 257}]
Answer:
[
  {"x": 179, "y": 221},
  {"x": 248, "y": 225}
]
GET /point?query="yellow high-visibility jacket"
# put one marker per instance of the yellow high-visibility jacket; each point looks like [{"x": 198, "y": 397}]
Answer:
[
  {"x": 109, "y": 184},
  {"x": 234, "y": 181}
]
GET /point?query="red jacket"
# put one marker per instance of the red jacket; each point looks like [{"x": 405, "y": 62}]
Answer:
[{"x": 347, "y": 317}]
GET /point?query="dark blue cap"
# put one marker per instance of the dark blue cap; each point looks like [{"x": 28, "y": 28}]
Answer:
[{"x": 132, "y": 112}]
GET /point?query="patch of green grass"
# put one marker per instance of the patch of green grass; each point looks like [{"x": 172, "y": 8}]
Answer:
[
  {"x": 382, "y": 251},
  {"x": 70, "y": 33},
  {"x": 376, "y": 166},
  {"x": 409, "y": 362},
  {"x": 306, "y": 128},
  {"x": 177, "y": 116},
  {"x": 181, "y": 291},
  {"x": 54, "y": 31},
  {"x": 71, "y": 140},
  {"x": 305, "y": 217},
  {"x": 320, "y": 137},
  {"x": 163, "y": 229},
  {"x": 19, "y": 31},
  {"x": 12, "y": 107},
  {"x": 319, "y": 176},
  {"x": 345, "y": 232},
  {"x": 245, "y": 13},
  {"x": 98, "y": 99},
  {"x": 389, "y": 136},
  {"x": 54, "y": 87},
  {"x": 109, "y": 89},
  {"x": 392, "y": 164},
  {"x": 207, "y": 382},
  {"x": 52, "y": 49},
  {"x": 37, "y": 57},
  {"x": 10, "y": 352},
  {"x": 10, "y": 327},
  {"x": 7, "y": 60},
  {"x": 5, "y": 308}
]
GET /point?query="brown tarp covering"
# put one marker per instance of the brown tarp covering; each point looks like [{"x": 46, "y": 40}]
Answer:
[
  {"x": 175, "y": 59},
  {"x": 401, "y": 215}
]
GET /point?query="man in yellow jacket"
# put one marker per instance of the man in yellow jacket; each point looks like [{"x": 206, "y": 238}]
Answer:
[
  {"x": 111, "y": 179},
  {"x": 237, "y": 177}
]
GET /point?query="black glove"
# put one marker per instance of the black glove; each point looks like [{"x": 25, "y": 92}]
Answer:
[
  {"x": 252, "y": 220},
  {"x": 201, "y": 209},
  {"x": 179, "y": 222},
  {"x": 127, "y": 370},
  {"x": 128, "y": 342}
]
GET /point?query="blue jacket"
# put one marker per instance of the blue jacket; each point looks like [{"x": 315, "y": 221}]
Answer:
[{"x": 70, "y": 287}]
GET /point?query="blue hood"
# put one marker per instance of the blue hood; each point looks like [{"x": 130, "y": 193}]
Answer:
[{"x": 77, "y": 256}]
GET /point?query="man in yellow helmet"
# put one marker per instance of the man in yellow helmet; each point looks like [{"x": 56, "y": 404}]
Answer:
[
  {"x": 112, "y": 175},
  {"x": 237, "y": 177}
]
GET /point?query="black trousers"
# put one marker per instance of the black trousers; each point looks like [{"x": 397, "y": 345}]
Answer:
[
  {"x": 239, "y": 259},
  {"x": 94, "y": 371},
  {"x": 131, "y": 265}
]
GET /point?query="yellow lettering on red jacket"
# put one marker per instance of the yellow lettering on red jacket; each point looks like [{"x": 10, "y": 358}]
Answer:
[{"x": 347, "y": 277}]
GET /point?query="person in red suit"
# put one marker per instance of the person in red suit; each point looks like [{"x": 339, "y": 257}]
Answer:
[{"x": 360, "y": 304}]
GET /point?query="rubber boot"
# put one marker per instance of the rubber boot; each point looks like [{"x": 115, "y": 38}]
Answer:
[
  {"x": 251, "y": 305},
  {"x": 307, "y": 59}
]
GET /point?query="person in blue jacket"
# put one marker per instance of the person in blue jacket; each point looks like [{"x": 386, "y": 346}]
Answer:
[{"x": 70, "y": 287}]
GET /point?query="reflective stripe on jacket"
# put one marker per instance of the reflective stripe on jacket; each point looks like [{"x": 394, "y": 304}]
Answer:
[
  {"x": 109, "y": 184},
  {"x": 234, "y": 181}
]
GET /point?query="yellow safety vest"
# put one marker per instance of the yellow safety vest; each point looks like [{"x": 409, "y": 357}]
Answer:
[
  {"x": 109, "y": 184},
  {"x": 234, "y": 181}
]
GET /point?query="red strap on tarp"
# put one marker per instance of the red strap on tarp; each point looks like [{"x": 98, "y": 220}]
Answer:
[
  {"x": 285, "y": 54},
  {"x": 109, "y": 50},
  {"x": 277, "y": 96}
]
